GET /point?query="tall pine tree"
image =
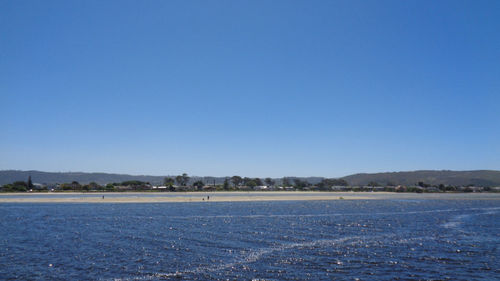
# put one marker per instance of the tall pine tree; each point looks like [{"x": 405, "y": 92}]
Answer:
[{"x": 30, "y": 183}]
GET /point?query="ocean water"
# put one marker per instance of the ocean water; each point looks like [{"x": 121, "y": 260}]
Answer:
[{"x": 274, "y": 240}]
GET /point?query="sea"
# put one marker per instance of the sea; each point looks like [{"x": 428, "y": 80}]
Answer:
[{"x": 267, "y": 240}]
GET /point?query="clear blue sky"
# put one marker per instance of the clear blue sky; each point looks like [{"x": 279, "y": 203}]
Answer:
[{"x": 253, "y": 88}]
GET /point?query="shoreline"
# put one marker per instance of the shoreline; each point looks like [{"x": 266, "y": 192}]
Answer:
[{"x": 253, "y": 196}]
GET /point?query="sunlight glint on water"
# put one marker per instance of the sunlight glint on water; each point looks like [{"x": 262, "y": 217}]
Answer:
[{"x": 315, "y": 240}]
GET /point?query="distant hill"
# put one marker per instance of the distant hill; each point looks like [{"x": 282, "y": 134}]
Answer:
[
  {"x": 10, "y": 176},
  {"x": 456, "y": 178}
]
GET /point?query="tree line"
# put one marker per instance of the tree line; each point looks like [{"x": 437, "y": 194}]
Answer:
[
  {"x": 179, "y": 182},
  {"x": 183, "y": 182}
]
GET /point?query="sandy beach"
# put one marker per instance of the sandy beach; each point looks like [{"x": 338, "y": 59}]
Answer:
[{"x": 148, "y": 197}]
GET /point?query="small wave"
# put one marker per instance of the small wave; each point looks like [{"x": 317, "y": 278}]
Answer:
[
  {"x": 456, "y": 221},
  {"x": 492, "y": 212},
  {"x": 451, "y": 224},
  {"x": 153, "y": 276},
  {"x": 324, "y": 215},
  {"x": 250, "y": 257},
  {"x": 255, "y": 255}
]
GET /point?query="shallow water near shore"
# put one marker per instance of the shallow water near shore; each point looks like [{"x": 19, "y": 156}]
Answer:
[{"x": 272, "y": 240}]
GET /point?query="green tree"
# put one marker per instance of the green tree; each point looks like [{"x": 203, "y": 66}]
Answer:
[
  {"x": 66, "y": 186},
  {"x": 300, "y": 184},
  {"x": 225, "y": 186},
  {"x": 30, "y": 183},
  {"x": 168, "y": 181},
  {"x": 236, "y": 180},
  {"x": 251, "y": 183},
  {"x": 246, "y": 180},
  {"x": 133, "y": 183},
  {"x": 20, "y": 183},
  {"x": 258, "y": 181},
  {"x": 450, "y": 188},
  {"x": 327, "y": 183},
  {"x": 182, "y": 180},
  {"x": 285, "y": 182},
  {"x": 423, "y": 184},
  {"x": 186, "y": 178},
  {"x": 20, "y": 186},
  {"x": 7, "y": 187},
  {"x": 94, "y": 186},
  {"x": 269, "y": 181},
  {"x": 198, "y": 184},
  {"x": 75, "y": 185}
]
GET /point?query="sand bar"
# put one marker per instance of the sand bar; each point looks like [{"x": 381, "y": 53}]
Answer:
[{"x": 149, "y": 197}]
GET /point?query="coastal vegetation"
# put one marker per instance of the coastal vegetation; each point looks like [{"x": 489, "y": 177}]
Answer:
[
  {"x": 185, "y": 183},
  {"x": 485, "y": 178}
]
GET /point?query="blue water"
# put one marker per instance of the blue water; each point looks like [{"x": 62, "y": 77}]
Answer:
[{"x": 275, "y": 240}]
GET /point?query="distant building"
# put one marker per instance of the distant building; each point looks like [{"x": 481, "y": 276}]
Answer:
[
  {"x": 433, "y": 189},
  {"x": 400, "y": 188},
  {"x": 208, "y": 188},
  {"x": 340, "y": 188},
  {"x": 123, "y": 187},
  {"x": 39, "y": 186}
]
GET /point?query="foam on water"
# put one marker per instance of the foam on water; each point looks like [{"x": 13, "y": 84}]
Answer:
[
  {"x": 255, "y": 255},
  {"x": 328, "y": 215},
  {"x": 456, "y": 221}
]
